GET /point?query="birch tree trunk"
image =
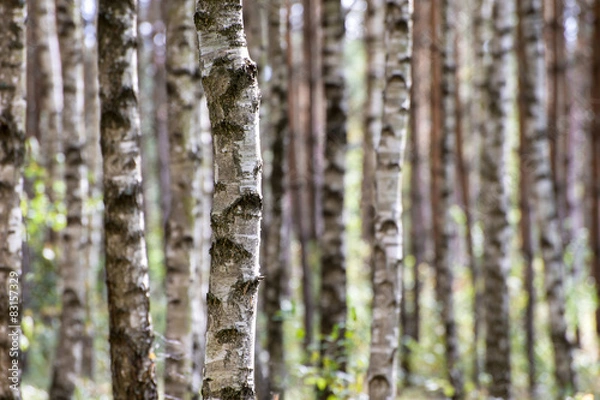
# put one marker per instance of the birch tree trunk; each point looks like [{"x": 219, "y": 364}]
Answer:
[
  {"x": 387, "y": 247},
  {"x": 374, "y": 43},
  {"x": 94, "y": 213},
  {"x": 50, "y": 93},
  {"x": 67, "y": 362},
  {"x": 447, "y": 143},
  {"x": 230, "y": 83},
  {"x": 332, "y": 300},
  {"x": 277, "y": 244},
  {"x": 538, "y": 160},
  {"x": 126, "y": 263},
  {"x": 185, "y": 166},
  {"x": 12, "y": 156},
  {"x": 494, "y": 205}
]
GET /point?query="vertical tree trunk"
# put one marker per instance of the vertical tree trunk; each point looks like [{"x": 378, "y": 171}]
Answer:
[
  {"x": 185, "y": 162},
  {"x": 527, "y": 250},
  {"x": 595, "y": 160},
  {"x": 93, "y": 158},
  {"x": 537, "y": 135},
  {"x": 447, "y": 179},
  {"x": 67, "y": 363},
  {"x": 332, "y": 300},
  {"x": 494, "y": 205},
  {"x": 374, "y": 43},
  {"x": 387, "y": 248},
  {"x": 12, "y": 155},
  {"x": 478, "y": 114},
  {"x": 276, "y": 266},
  {"x": 126, "y": 264},
  {"x": 230, "y": 82}
]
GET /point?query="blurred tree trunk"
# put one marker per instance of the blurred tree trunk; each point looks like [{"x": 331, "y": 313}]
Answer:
[
  {"x": 312, "y": 14},
  {"x": 126, "y": 263},
  {"x": 410, "y": 320},
  {"x": 537, "y": 160},
  {"x": 595, "y": 159},
  {"x": 527, "y": 249},
  {"x": 332, "y": 298},
  {"x": 185, "y": 160},
  {"x": 374, "y": 44},
  {"x": 478, "y": 116},
  {"x": 230, "y": 83},
  {"x": 387, "y": 246},
  {"x": 494, "y": 205},
  {"x": 67, "y": 362},
  {"x": 95, "y": 231},
  {"x": 276, "y": 292},
  {"x": 12, "y": 157},
  {"x": 447, "y": 179},
  {"x": 50, "y": 99}
]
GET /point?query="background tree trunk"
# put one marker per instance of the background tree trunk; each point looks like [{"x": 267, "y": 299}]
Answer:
[
  {"x": 126, "y": 263},
  {"x": 230, "y": 83},
  {"x": 387, "y": 249},
  {"x": 332, "y": 304},
  {"x": 67, "y": 362},
  {"x": 12, "y": 157},
  {"x": 447, "y": 179},
  {"x": 185, "y": 166},
  {"x": 494, "y": 205}
]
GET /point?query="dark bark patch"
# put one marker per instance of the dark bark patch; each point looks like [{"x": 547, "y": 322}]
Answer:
[
  {"x": 231, "y": 335},
  {"x": 226, "y": 251}
]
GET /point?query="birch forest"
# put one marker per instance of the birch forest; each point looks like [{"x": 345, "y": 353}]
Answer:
[{"x": 299, "y": 199}]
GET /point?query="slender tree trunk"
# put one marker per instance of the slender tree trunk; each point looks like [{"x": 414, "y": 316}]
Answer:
[
  {"x": 527, "y": 249},
  {"x": 443, "y": 259},
  {"x": 277, "y": 255},
  {"x": 374, "y": 43},
  {"x": 314, "y": 120},
  {"x": 126, "y": 263},
  {"x": 12, "y": 156},
  {"x": 50, "y": 98},
  {"x": 93, "y": 212},
  {"x": 387, "y": 248},
  {"x": 478, "y": 115},
  {"x": 230, "y": 82},
  {"x": 185, "y": 160},
  {"x": 332, "y": 300},
  {"x": 67, "y": 362},
  {"x": 494, "y": 205},
  {"x": 537, "y": 135},
  {"x": 595, "y": 159}
]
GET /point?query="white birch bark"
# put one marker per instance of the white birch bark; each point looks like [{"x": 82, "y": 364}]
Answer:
[
  {"x": 494, "y": 204},
  {"x": 230, "y": 82},
  {"x": 185, "y": 161},
  {"x": 537, "y": 160},
  {"x": 130, "y": 330},
  {"x": 12, "y": 156},
  {"x": 67, "y": 362},
  {"x": 387, "y": 247}
]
